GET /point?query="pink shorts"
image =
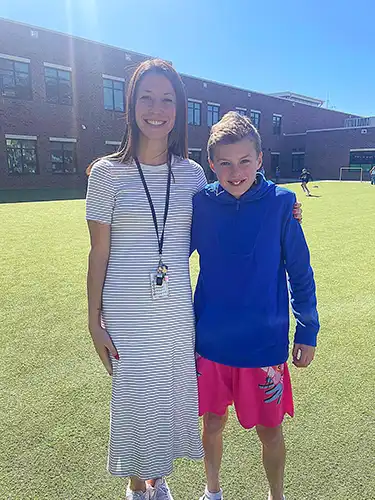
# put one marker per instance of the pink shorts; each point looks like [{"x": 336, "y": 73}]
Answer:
[{"x": 261, "y": 396}]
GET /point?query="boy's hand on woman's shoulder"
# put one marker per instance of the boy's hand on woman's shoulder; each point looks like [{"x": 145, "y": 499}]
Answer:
[
  {"x": 303, "y": 355},
  {"x": 297, "y": 211}
]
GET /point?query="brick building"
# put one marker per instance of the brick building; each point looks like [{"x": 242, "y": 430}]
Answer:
[{"x": 62, "y": 105}]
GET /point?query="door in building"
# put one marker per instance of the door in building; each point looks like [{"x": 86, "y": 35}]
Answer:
[{"x": 275, "y": 163}]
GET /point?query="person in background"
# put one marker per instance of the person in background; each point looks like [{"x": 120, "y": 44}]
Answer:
[
  {"x": 372, "y": 175},
  {"x": 305, "y": 178},
  {"x": 278, "y": 172}
]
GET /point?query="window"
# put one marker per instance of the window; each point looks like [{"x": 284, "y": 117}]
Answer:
[
  {"x": 255, "y": 118},
  {"x": 241, "y": 111},
  {"x": 362, "y": 158},
  {"x": 63, "y": 157},
  {"x": 298, "y": 162},
  {"x": 15, "y": 79},
  {"x": 58, "y": 85},
  {"x": 112, "y": 146},
  {"x": 213, "y": 114},
  {"x": 196, "y": 155},
  {"x": 276, "y": 123},
  {"x": 194, "y": 112},
  {"x": 22, "y": 157},
  {"x": 114, "y": 91}
]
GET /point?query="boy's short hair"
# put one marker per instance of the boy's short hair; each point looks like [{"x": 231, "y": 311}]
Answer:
[{"x": 232, "y": 128}]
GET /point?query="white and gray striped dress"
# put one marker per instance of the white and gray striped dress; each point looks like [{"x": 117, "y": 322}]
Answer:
[{"x": 154, "y": 406}]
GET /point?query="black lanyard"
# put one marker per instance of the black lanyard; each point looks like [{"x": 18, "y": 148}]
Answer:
[{"x": 152, "y": 208}]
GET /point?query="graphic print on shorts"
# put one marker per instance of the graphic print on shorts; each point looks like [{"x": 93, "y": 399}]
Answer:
[{"x": 274, "y": 385}]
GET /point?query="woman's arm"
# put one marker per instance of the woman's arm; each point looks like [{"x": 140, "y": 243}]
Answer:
[{"x": 98, "y": 260}]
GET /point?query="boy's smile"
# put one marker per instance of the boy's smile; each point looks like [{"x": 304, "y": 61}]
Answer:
[{"x": 236, "y": 166}]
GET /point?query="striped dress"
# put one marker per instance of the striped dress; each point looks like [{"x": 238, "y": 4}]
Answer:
[{"x": 154, "y": 405}]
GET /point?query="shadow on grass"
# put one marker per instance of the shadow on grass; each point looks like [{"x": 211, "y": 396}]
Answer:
[{"x": 28, "y": 195}]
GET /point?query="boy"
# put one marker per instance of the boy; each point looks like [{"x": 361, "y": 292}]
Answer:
[
  {"x": 247, "y": 239},
  {"x": 305, "y": 178}
]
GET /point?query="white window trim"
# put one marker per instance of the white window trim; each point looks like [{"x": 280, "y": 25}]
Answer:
[
  {"x": 275, "y": 153},
  {"x": 195, "y": 149},
  {"x": 22, "y": 137},
  {"x": 298, "y": 152},
  {"x": 241, "y": 109},
  {"x": 213, "y": 104},
  {"x": 195, "y": 100},
  {"x": 361, "y": 150},
  {"x": 255, "y": 111},
  {"x": 115, "y": 78},
  {"x": 57, "y": 66},
  {"x": 15, "y": 58},
  {"x": 279, "y": 116},
  {"x": 113, "y": 143},
  {"x": 62, "y": 139},
  {"x": 291, "y": 135}
]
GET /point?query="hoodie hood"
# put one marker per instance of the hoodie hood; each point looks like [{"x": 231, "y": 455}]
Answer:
[{"x": 258, "y": 190}]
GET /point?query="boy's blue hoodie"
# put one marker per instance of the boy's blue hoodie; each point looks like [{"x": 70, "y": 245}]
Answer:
[{"x": 247, "y": 247}]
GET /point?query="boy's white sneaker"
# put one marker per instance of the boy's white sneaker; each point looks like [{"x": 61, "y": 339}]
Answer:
[{"x": 212, "y": 496}]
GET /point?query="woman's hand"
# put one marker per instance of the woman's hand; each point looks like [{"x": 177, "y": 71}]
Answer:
[
  {"x": 297, "y": 211},
  {"x": 103, "y": 345}
]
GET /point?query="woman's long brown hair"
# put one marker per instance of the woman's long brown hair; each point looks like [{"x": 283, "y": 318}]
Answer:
[{"x": 177, "y": 140}]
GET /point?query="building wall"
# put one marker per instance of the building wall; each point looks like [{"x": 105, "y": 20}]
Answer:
[
  {"x": 87, "y": 120},
  {"x": 295, "y": 143},
  {"x": 295, "y": 117},
  {"x": 327, "y": 151}
]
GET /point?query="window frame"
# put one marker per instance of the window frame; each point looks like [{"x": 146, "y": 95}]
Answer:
[
  {"x": 195, "y": 107},
  {"x": 13, "y": 60},
  {"x": 22, "y": 140},
  {"x": 299, "y": 155},
  {"x": 58, "y": 99},
  {"x": 276, "y": 124},
  {"x": 256, "y": 122},
  {"x": 213, "y": 109},
  {"x": 114, "y": 80},
  {"x": 241, "y": 111},
  {"x": 194, "y": 153},
  {"x": 112, "y": 146},
  {"x": 72, "y": 143},
  {"x": 362, "y": 157}
]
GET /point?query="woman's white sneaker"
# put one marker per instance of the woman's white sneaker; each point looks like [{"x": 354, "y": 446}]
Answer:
[
  {"x": 137, "y": 495},
  {"x": 161, "y": 491}
]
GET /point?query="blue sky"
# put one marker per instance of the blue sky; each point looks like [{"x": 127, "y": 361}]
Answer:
[{"x": 316, "y": 47}]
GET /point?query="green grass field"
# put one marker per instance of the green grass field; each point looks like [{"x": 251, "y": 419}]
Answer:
[{"x": 55, "y": 395}]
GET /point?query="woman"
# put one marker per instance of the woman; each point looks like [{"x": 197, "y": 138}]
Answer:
[{"x": 140, "y": 313}]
